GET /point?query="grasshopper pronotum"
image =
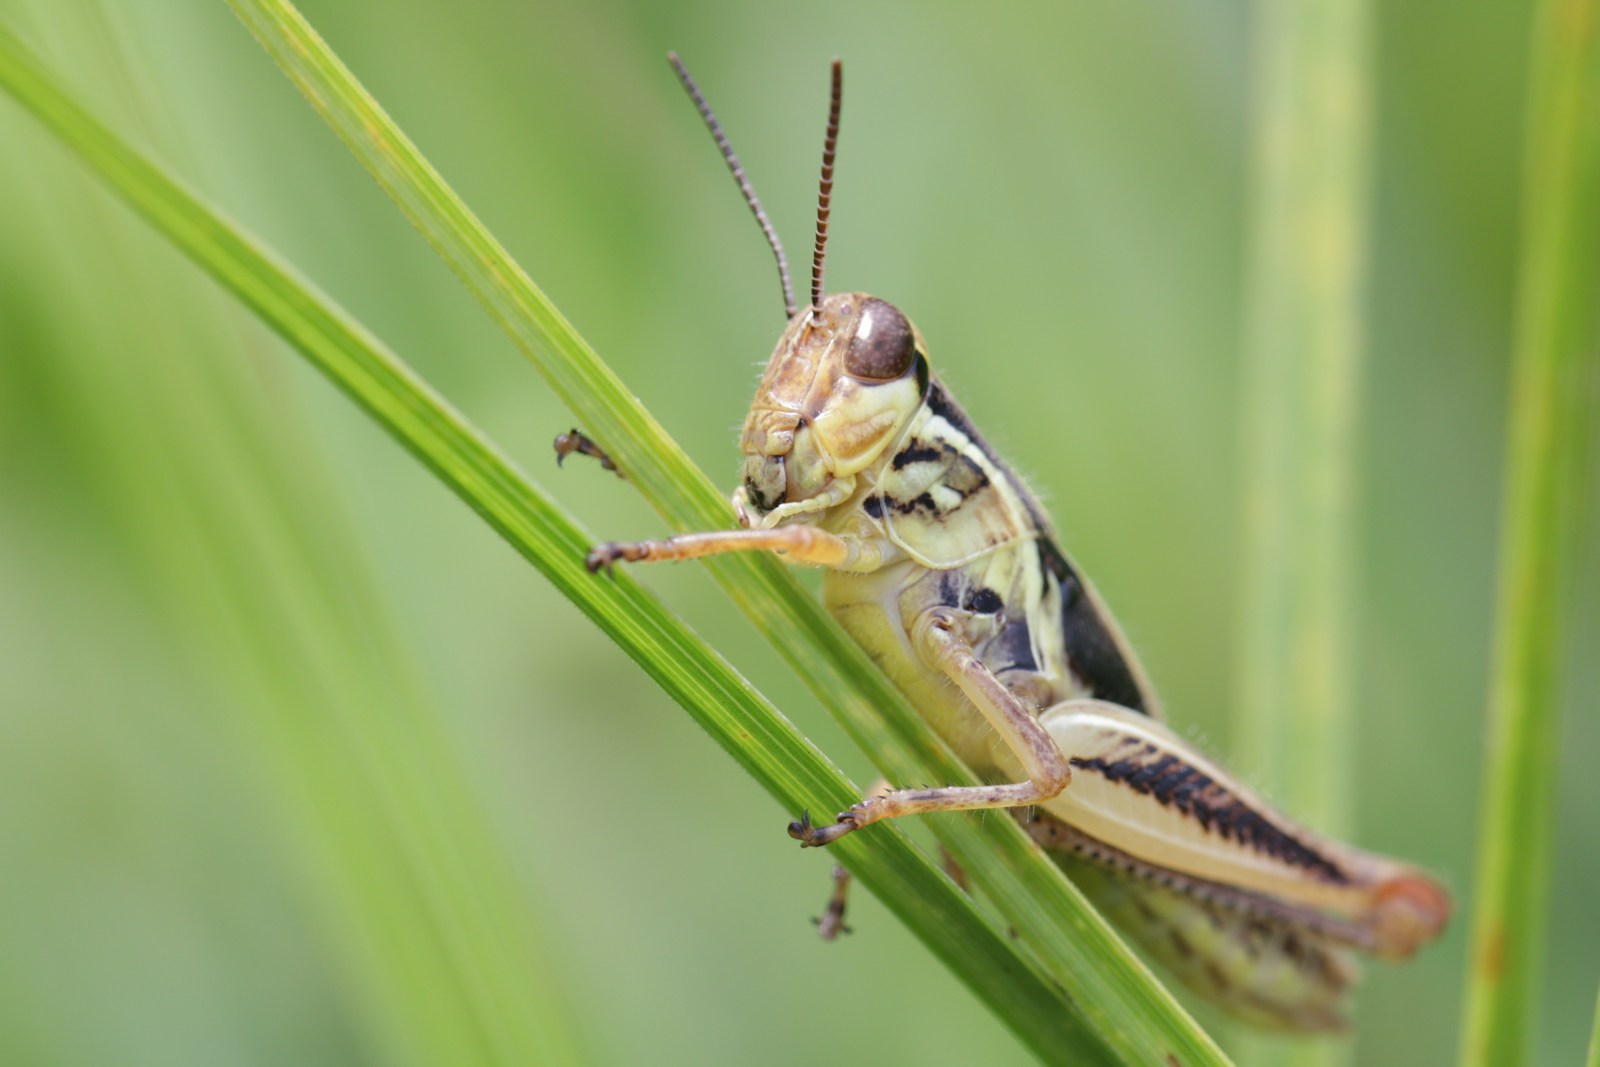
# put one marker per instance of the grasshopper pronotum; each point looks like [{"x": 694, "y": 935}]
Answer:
[{"x": 942, "y": 565}]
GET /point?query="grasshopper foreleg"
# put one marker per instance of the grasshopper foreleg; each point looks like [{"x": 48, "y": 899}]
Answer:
[
  {"x": 940, "y": 639},
  {"x": 798, "y": 544}
]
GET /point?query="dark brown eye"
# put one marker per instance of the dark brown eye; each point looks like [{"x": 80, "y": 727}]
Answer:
[{"x": 883, "y": 347}]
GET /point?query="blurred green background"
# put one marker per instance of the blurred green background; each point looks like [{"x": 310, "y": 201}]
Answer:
[{"x": 203, "y": 548}]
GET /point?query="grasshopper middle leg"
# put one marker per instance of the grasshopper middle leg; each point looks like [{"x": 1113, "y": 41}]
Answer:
[{"x": 943, "y": 645}]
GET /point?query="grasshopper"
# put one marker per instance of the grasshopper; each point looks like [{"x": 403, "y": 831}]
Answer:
[{"x": 943, "y": 566}]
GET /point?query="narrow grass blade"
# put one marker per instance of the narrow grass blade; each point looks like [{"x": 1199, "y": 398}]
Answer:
[
  {"x": 1556, "y": 348},
  {"x": 1302, "y": 382},
  {"x": 735, "y": 715},
  {"x": 1593, "y": 1059},
  {"x": 1105, "y": 981}
]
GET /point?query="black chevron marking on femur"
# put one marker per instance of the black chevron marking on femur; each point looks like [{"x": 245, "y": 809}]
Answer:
[{"x": 1174, "y": 783}]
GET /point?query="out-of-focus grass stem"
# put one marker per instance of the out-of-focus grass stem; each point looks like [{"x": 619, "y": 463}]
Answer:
[
  {"x": 1593, "y": 1059},
  {"x": 1304, "y": 321},
  {"x": 1556, "y": 347}
]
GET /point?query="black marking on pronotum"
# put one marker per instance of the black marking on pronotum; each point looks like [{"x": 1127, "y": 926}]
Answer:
[
  {"x": 916, "y": 451},
  {"x": 1212, "y": 805},
  {"x": 873, "y": 505},
  {"x": 966, "y": 477},
  {"x": 961, "y": 475},
  {"x": 941, "y": 404},
  {"x": 923, "y": 501},
  {"x": 951, "y": 584}
]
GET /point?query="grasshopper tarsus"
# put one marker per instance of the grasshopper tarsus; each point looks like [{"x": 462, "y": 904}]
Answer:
[
  {"x": 829, "y": 930},
  {"x": 604, "y": 557},
  {"x": 830, "y": 924},
  {"x": 575, "y": 440},
  {"x": 810, "y": 835}
]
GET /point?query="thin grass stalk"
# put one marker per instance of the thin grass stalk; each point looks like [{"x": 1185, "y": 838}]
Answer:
[
  {"x": 1101, "y": 977},
  {"x": 736, "y": 716},
  {"x": 1593, "y": 1059},
  {"x": 1557, "y": 347},
  {"x": 1294, "y": 724}
]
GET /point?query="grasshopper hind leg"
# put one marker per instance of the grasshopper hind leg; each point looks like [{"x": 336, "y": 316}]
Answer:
[{"x": 1252, "y": 965}]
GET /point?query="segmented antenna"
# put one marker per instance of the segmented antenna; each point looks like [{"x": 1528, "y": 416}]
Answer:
[
  {"x": 739, "y": 176},
  {"x": 830, "y": 143}
]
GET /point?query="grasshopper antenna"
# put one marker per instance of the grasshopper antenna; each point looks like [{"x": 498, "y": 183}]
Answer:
[
  {"x": 739, "y": 177},
  {"x": 830, "y": 144}
]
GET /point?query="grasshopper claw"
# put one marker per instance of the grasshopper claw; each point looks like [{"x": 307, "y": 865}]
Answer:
[
  {"x": 603, "y": 556},
  {"x": 812, "y": 836},
  {"x": 800, "y": 830},
  {"x": 576, "y": 441}
]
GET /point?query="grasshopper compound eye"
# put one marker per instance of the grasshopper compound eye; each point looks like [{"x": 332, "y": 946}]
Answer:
[{"x": 883, "y": 347}]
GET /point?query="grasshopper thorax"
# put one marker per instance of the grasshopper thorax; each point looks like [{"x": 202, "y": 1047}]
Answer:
[{"x": 842, "y": 385}]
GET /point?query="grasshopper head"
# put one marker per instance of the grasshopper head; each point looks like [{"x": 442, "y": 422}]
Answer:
[{"x": 843, "y": 383}]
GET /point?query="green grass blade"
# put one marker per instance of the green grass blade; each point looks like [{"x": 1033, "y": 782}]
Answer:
[
  {"x": 1293, "y": 722},
  {"x": 1593, "y": 1059},
  {"x": 1102, "y": 977},
  {"x": 1556, "y": 349},
  {"x": 736, "y": 716}
]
